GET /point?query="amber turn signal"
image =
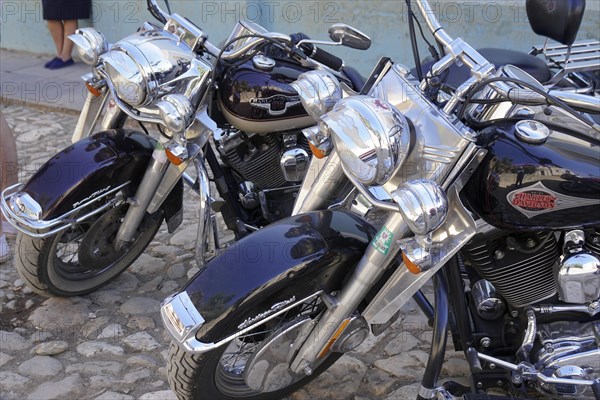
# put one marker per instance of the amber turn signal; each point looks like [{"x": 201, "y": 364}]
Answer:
[
  {"x": 173, "y": 158},
  {"x": 95, "y": 92},
  {"x": 316, "y": 152},
  {"x": 411, "y": 266}
]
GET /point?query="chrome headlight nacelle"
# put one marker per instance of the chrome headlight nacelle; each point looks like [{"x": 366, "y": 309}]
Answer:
[
  {"x": 89, "y": 45},
  {"x": 371, "y": 137},
  {"x": 147, "y": 65}
]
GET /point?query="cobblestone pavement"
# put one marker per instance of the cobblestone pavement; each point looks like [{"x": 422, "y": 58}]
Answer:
[{"x": 110, "y": 344}]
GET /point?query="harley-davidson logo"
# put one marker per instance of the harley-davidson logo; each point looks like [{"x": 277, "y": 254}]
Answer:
[
  {"x": 275, "y": 105},
  {"x": 538, "y": 199},
  {"x": 533, "y": 200}
]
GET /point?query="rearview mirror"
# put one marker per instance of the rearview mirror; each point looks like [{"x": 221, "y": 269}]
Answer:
[{"x": 349, "y": 37}]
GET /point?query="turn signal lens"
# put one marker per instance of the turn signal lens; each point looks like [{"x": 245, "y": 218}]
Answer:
[
  {"x": 176, "y": 160},
  {"x": 94, "y": 91},
  {"x": 411, "y": 266},
  {"x": 316, "y": 152}
]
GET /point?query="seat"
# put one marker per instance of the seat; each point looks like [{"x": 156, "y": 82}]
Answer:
[
  {"x": 358, "y": 81},
  {"x": 534, "y": 66}
]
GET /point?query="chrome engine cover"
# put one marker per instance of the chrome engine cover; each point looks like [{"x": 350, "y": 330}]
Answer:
[
  {"x": 579, "y": 278},
  {"x": 579, "y": 273},
  {"x": 569, "y": 350}
]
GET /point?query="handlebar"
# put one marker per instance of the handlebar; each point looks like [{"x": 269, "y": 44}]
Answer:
[
  {"x": 308, "y": 49},
  {"x": 156, "y": 11},
  {"x": 322, "y": 56}
]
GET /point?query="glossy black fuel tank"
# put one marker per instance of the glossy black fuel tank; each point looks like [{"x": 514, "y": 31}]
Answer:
[
  {"x": 262, "y": 101},
  {"x": 527, "y": 187}
]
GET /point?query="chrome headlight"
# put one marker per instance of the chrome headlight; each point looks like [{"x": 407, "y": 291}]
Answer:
[
  {"x": 371, "y": 137},
  {"x": 145, "y": 66},
  {"x": 89, "y": 44},
  {"x": 126, "y": 76},
  {"x": 318, "y": 91}
]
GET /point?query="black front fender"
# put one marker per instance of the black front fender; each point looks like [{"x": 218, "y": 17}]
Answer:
[
  {"x": 96, "y": 163},
  {"x": 293, "y": 257}
]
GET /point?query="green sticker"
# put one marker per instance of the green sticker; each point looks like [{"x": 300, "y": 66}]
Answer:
[{"x": 383, "y": 241}]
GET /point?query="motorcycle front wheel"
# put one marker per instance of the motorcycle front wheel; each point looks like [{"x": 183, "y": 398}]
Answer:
[
  {"x": 83, "y": 257},
  {"x": 219, "y": 373}
]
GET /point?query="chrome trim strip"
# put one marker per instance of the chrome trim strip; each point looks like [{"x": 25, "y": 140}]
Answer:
[
  {"x": 32, "y": 228},
  {"x": 177, "y": 310}
]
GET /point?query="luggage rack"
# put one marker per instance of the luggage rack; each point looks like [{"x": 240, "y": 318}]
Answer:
[{"x": 584, "y": 55}]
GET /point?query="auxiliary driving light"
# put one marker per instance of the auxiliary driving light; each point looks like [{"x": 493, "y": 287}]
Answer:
[
  {"x": 318, "y": 91},
  {"x": 176, "y": 112},
  {"x": 423, "y": 205},
  {"x": 89, "y": 44}
]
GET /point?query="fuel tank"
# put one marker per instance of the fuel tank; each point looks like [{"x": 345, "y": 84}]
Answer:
[
  {"x": 551, "y": 185},
  {"x": 256, "y": 97}
]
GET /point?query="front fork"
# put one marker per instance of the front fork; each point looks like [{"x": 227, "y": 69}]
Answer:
[
  {"x": 93, "y": 106},
  {"x": 381, "y": 253}
]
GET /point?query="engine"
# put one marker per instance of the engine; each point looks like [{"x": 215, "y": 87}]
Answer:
[
  {"x": 268, "y": 169},
  {"x": 543, "y": 288}
]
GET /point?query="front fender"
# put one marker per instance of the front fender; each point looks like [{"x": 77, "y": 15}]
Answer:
[
  {"x": 293, "y": 257},
  {"x": 102, "y": 161}
]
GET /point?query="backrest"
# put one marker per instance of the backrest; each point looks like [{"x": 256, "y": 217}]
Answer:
[{"x": 557, "y": 19}]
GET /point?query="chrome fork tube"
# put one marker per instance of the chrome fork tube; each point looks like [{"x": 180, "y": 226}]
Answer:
[
  {"x": 114, "y": 117},
  {"x": 368, "y": 271},
  {"x": 323, "y": 190},
  {"x": 92, "y": 108},
  {"x": 139, "y": 204},
  {"x": 205, "y": 245}
]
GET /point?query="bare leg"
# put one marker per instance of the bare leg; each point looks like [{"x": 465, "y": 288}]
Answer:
[
  {"x": 9, "y": 171},
  {"x": 67, "y": 47},
  {"x": 56, "y": 30}
]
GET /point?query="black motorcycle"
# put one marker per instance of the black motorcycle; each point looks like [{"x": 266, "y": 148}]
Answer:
[
  {"x": 494, "y": 196},
  {"x": 228, "y": 109}
]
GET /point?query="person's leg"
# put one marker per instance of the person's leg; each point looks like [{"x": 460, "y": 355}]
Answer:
[
  {"x": 8, "y": 173},
  {"x": 69, "y": 28},
  {"x": 57, "y": 33},
  {"x": 9, "y": 170}
]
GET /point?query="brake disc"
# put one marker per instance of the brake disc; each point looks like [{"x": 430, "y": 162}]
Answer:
[{"x": 97, "y": 249}]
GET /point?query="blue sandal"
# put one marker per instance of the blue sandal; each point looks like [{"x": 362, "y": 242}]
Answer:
[
  {"x": 47, "y": 65},
  {"x": 59, "y": 63}
]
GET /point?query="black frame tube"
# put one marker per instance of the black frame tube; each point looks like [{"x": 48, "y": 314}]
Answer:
[
  {"x": 460, "y": 309},
  {"x": 425, "y": 306},
  {"x": 440, "y": 330}
]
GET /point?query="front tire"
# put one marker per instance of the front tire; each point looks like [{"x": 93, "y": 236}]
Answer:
[
  {"x": 218, "y": 374},
  {"x": 82, "y": 258}
]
